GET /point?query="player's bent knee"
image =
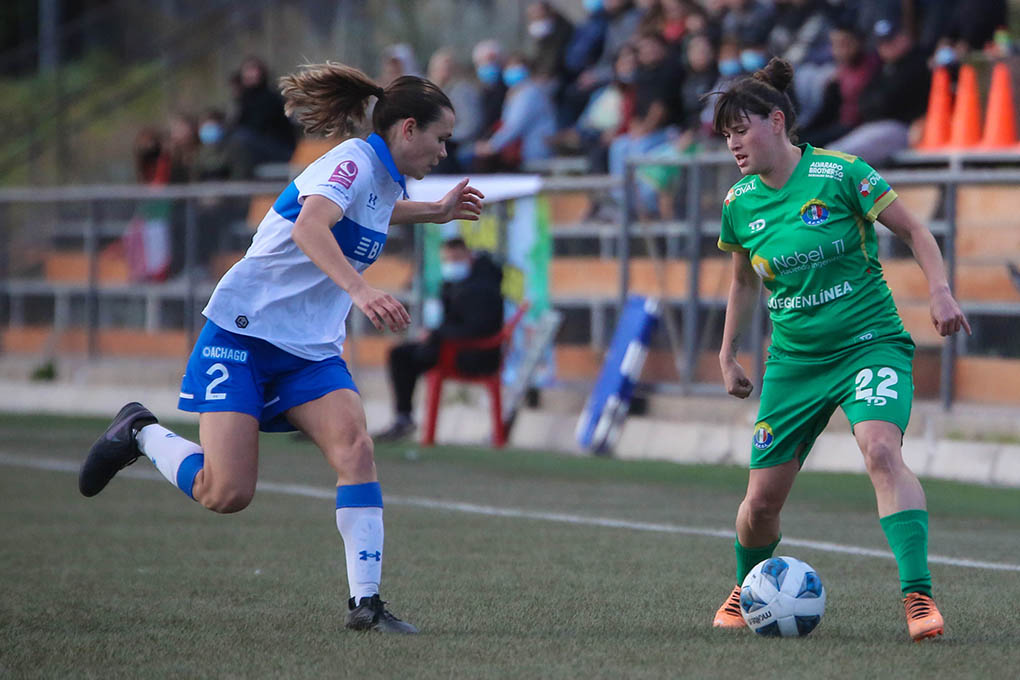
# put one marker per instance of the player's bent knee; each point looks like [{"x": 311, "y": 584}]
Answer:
[
  {"x": 881, "y": 456},
  {"x": 227, "y": 499}
]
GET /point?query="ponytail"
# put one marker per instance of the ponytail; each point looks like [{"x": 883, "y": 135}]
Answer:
[{"x": 331, "y": 98}]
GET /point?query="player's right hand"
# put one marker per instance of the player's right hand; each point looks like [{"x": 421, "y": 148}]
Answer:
[
  {"x": 382, "y": 309},
  {"x": 736, "y": 381}
]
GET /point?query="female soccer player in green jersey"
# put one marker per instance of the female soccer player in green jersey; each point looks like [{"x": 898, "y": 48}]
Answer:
[{"x": 802, "y": 221}]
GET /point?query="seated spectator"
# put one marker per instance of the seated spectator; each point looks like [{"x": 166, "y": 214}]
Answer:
[
  {"x": 801, "y": 36},
  {"x": 896, "y": 97},
  {"x": 152, "y": 163},
  {"x": 262, "y": 133},
  {"x": 749, "y": 21},
  {"x": 700, "y": 78},
  {"x": 856, "y": 67},
  {"x": 549, "y": 33},
  {"x": 472, "y": 304},
  {"x": 212, "y": 162},
  {"x": 606, "y": 117},
  {"x": 585, "y": 44},
  {"x": 675, "y": 15},
  {"x": 488, "y": 59},
  {"x": 527, "y": 122},
  {"x": 397, "y": 60},
  {"x": 182, "y": 147},
  {"x": 657, "y": 82},
  {"x": 622, "y": 22},
  {"x": 444, "y": 71}
]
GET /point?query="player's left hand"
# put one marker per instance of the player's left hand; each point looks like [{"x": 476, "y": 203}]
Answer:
[
  {"x": 463, "y": 202},
  {"x": 946, "y": 314}
]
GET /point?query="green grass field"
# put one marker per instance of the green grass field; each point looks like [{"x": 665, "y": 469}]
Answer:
[{"x": 507, "y": 561}]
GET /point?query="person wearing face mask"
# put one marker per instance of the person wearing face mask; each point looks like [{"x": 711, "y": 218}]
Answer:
[
  {"x": 472, "y": 307},
  {"x": 527, "y": 121},
  {"x": 546, "y": 44},
  {"x": 488, "y": 59}
]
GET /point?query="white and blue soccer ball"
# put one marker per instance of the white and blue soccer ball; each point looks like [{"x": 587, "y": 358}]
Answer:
[{"x": 782, "y": 597}]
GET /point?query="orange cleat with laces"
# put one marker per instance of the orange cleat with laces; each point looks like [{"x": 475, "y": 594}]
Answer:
[
  {"x": 923, "y": 617},
  {"x": 729, "y": 615}
]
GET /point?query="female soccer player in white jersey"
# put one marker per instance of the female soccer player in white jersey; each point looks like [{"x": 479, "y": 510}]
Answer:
[
  {"x": 269, "y": 356},
  {"x": 802, "y": 221}
]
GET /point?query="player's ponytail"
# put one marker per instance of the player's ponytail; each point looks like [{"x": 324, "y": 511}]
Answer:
[
  {"x": 327, "y": 98},
  {"x": 331, "y": 98},
  {"x": 760, "y": 94}
]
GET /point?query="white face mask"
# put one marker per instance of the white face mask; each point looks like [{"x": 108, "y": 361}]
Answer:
[
  {"x": 455, "y": 271},
  {"x": 540, "y": 29}
]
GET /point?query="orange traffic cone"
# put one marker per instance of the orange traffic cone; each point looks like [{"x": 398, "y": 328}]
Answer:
[
  {"x": 1000, "y": 122},
  {"x": 940, "y": 109},
  {"x": 965, "y": 129}
]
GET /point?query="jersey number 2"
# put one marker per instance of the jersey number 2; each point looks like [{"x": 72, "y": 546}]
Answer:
[
  {"x": 222, "y": 374},
  {"x": 882, "y": 392}
]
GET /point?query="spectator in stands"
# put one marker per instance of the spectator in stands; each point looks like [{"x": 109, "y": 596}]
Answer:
[
  {"x": 700, "y": 78},
  {"x": 397, "y": 60},
  {"x": 152, "y": 164},
  {"x": 525, "y": 126},
  {"x": 212, "y": 161},
  {"x": 464, "y": 94},
  {"x": 606, "y": 117},
  {"x": 750, "y": 21},
  {"x": 856, "y": 67},
  {"x": 549, "y": 33},
  {"x": 622, "y": 22},
  {"x": 896, "y": 97},
  {"x": 801, "y": 36},
  {"x": 472, "y": 303},
  {"x": 657, "y": 83},
  {"x": 488, "y": 59},
  {"x": 585, "y": 44},
  {"x": 675, "y": 15},
  {"x": 261, "y": 131},
  {"x": 182, "y": 147},
  {"x": 728, "y": 64}
]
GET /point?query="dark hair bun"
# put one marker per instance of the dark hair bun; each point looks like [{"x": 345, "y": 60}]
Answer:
[{"x": 778, "y": 73}]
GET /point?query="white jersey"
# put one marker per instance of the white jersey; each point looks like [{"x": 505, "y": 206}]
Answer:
[{"x": 279, "y": 295}]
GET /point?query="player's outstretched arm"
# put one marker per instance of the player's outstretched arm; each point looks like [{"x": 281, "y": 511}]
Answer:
[
  {"x": 946, "y": 315},
  {"x": 744, "y": 291},
  {"x": 312, "y": 235},
  {"x": 462, "y": 202}
]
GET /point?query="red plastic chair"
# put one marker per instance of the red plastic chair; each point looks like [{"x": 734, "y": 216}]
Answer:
[{"x": 446, "y": 369}]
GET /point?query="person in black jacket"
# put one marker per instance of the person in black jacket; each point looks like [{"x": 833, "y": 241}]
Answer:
[
  {"x": 472, "y": 304},
  {"x": 262, "y": 133},
  {"x": 896, "y": 97}
]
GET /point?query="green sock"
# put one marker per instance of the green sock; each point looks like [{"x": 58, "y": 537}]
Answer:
[
  {"x": 907, "y": 533},
  {"x": 748, "y": 558}
]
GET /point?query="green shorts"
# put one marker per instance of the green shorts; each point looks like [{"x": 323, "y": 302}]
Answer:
[{"x": 800, "y": 393}]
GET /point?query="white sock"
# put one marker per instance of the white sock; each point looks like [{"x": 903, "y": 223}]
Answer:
[
  {"x": 359, "y": 518},
  {"x": 176, "y": 458}
]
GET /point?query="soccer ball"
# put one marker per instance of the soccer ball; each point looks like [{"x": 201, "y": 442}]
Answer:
[{"x": 782, "y": 597}]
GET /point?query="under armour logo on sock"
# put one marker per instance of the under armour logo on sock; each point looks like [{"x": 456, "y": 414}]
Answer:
[{"x": 365, "y": 555}]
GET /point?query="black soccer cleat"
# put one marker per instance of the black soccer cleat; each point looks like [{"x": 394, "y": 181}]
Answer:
[
  {"x": 372, "y": 614},
  {"x": 115, "y": 449}
]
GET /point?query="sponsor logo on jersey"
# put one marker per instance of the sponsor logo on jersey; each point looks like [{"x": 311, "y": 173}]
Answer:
[
  {"x": 345, "y": 173},
  {"x": 763, "y": 436},
  {"x": 814, "y": 212},
  {"x": 813, "y": 300},
  {"x": 869, "y": 183},
  {"x": 825, "y": 169},
  {"x": 761, "y": 266},
  {"x": 739, "y": 190},
  {"x": 241, "y": 321},
  {"x": 756, "y": 226},
  {"x": 228, "y": 353}
]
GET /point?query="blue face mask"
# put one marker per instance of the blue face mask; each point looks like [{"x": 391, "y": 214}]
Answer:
[
  {"x": 210, "y": 133},
  {"x": 488, "y": 74},
  {"x": 455, "y": 271},
  {"x": 514, "y": 74},
  {"x": 752, "y": 60},
  {"x": 729, "y": 67},
  {"x": 592, "y": 6},
  {"x": 944, "y": 56}
]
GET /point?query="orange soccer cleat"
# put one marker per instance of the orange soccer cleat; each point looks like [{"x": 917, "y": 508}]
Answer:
[
  {"x": 923, "y": 617},
  {"x": 729, "y": 615}
]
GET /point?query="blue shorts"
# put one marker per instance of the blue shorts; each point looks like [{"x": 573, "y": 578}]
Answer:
[{"x": 231, "y": 372}]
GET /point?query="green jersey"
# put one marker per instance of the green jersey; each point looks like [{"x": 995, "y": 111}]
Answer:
[{"x": 813, "y": 244}]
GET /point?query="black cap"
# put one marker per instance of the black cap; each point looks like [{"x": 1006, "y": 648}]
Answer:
[{"x": 886, "y": 28}]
